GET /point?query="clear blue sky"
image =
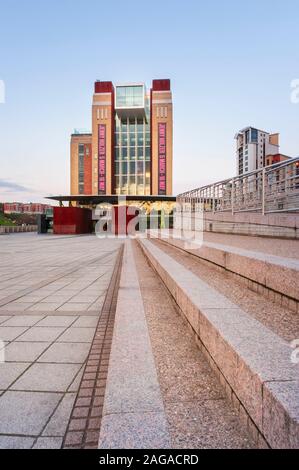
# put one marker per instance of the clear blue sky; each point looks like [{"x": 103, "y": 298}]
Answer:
[{"x": 231, "y": 65}]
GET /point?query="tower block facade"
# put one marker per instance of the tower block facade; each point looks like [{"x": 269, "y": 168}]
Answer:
[
  {"x": 129, "y": 151},
  {"x": 162, "y": 138}
]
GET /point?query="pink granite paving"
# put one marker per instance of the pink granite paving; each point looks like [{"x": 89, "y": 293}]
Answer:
[
  {"x": 281, "y": 320},
  {"x": 272, "y": 246}
]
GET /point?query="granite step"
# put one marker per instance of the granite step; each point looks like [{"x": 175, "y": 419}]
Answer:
[
  {"x": 275, "y": 277},
  {"x": 252, "y": 362}
]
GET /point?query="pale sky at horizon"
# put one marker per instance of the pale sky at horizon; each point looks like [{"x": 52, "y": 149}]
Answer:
[{"x": 231, "y": 65}]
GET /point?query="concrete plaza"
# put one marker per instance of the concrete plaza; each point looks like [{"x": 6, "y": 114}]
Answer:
[
  {"x": 113, "y": 343},
  {"x": 51, "y": 294}
]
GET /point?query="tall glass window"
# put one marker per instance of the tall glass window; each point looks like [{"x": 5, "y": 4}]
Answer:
[
  {"x": 132, "y": 151},
  {"x": 129, "y": 96}
]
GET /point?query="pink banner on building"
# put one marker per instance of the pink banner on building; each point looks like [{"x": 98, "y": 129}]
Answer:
[
  {"x": 102, "y": 159},
  {"x": 162, "y": 158}
]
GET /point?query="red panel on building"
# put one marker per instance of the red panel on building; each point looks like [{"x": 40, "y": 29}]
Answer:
[
  {"x": 102, "y": 159},
  {"x": 161, "y": 85},
  {"x": 162, "y": 158},
  {"x": 87, "y": 169},
  {"x": 71, "y": 220},
  {"x": 103, "y": 87}
]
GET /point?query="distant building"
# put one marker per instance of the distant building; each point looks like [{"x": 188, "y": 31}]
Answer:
[
  {"x": 12, "y": 208},
  {"x": 278, "y": 158},
  {"x": 129, "y": 150},
  {"x": 256, "y": 149},
  {"x": 20, "y": 208}
]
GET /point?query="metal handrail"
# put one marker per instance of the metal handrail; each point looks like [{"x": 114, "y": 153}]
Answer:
[{"x": 274, "y": 188}]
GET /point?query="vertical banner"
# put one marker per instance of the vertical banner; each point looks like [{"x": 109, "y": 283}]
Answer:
[
  {"x": 102, "y": 158},
  {"x": 162, "y": 158}
]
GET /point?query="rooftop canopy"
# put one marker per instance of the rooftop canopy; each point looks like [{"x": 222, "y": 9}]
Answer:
[{"x": 83, "y": 199}]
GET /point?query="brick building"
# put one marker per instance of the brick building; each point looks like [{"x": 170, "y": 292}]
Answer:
[{"x": 129, "y": 150}]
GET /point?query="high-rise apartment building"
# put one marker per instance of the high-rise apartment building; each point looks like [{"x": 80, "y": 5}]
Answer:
[
  {"x": 129, "y": 151},
  {"x": 253, "y": 148}
]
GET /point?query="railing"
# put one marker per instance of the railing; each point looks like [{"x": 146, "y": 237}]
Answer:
[
  {"x": 17, "y": 229},
  {"x": 272, "y": 189}
]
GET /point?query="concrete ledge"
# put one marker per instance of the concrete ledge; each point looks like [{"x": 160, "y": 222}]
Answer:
[
  {"x": 253, "y": 223},
  {"x": 133, "y": 415},
  {"x": 254, "y": 361},
  {"x": 277, "y": 274}
]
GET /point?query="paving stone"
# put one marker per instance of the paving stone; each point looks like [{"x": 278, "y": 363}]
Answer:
[
  {"x": 15, "y": 307},
  {"x": 86, "y": 321},
  {"x": 39, "y": 334},
  {"x": 26, "y": 412},
  {"x": 10, "y": 333},
  {"x": 49, "y": 257},
  {"x": 9, "y": 372},
  {"x": 47, "y": 377},
  {"x": 15, "y": 442},
  {"x": 75, "y": 353},
  {"x": 74, "y": 438},
  {"x": 58, "y": 423},
  {"x": 24, "y": 351},
  {"x": 48, "y": 443},
  {"x": 55, "y": 320},
  {"x": 80, "y": 335},
  {"x": 74, "y": 307},
  {"x": 23, "y": 320},
  {"x": 76, "y": 383},
  {"x": 45, "y": 307}
]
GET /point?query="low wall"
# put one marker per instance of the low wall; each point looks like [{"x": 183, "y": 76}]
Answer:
[
  {"x": 251, "y": 223},
  {"x": 17, "y": 229},
  {"x": 275, "y": 277}
]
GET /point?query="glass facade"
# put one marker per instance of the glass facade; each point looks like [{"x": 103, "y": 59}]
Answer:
[
  {"x": 132, "y": 152},
  {"x": 129, "y": 96},
  {"x": 254, "y": 135}
]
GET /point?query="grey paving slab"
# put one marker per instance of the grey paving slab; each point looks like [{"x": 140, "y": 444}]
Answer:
[
  {"x": 16, "y": 306},
  {"x": 74, "y": 387},
  {"x": 55, "y": 320},
  {"x": 44, "y": 307},
  {"x": 132, "y": 383},
  {"x": 9, "y": 372},
  {"x": 74, "y": 307},
  {"x": 9, "y": 333},
  {"x": 41, "y": 334},
  {"x": 48, "y": 443},
  {"x": 75, "y": 353},
  {"x": 38, "y": 275},
  {"x": 25, "y": 412},
  {"x": 58, "y": 423},
  {"x": 133, "y": 415},
  {"x": 81, "y": 335},
  {"x": 86, "y": 321},
  {"x": 24, "y": 351},
  {"x": 47, "y": 377},
  {"x": 23, "y": 320},
  {"x": 16, "y": 442}
]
